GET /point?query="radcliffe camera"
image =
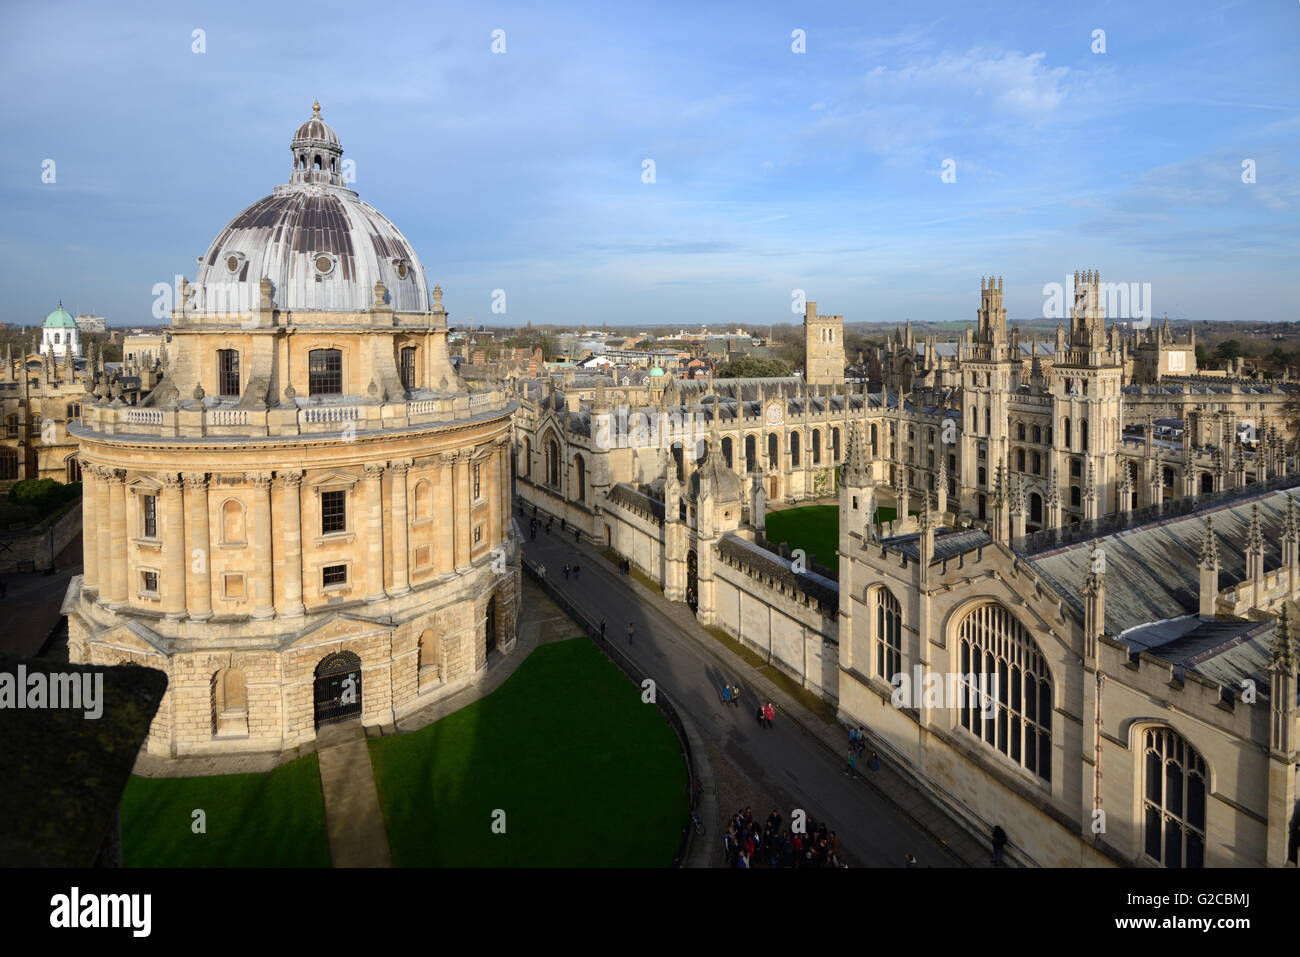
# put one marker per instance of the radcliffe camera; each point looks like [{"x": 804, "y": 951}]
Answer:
[{"x": 585, "y": 444}]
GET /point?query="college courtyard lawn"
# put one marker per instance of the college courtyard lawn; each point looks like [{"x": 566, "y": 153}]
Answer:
[
  {"x": 275, "y": 819},
  {"x": 574, "y": 769},
  {"x": 815, "y": 529}
]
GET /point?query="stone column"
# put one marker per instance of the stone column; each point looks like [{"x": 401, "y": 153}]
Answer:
[
  {"x": 90, "y": 521},
  {"x": 463, "y": 510},
  {"x": 491, "y": 476},
  {"x": 374, "y": 532},
  {"x": 263, "y": 551},
  {"x": 117, "y": 535},
  {"x": 199, "y": 593},
  {"x": 291, "y": 486},
  {"x": 444, "y": 518},
  {"x": 173, "y": 536},
  {"x": 103, "y": 543},
  {"x": 503, "y": 487},
  {"x": 401, "y": 530}
]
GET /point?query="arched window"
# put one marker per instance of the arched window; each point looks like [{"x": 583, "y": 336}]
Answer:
[
  {"x": 580, "y": 473},
  {"x": 423, "y": 499},
  {"x": 325, "y": 372},
  {"x": 408, "y": 367},
  {"x": 1076, "y": 497},
  {"x": 1207, "y": 483},
  {"x": 1020, "y": 431},
  {"x": 981, "y": 476},
  {"x": 751, "y": 453},
  {"x": 528, "y": 457},
  {"x": 1008, "y": 688},
  {"x": 552, "y": 463},
  {"x": 1173, "y": 800},
  {"x": 727, "y": 452},
  {"x": 1038, "y": 433},
  {"x": 1020, "y": 457},
  {"x": 889, "y": 634},
  {"x": 773, "y": 451},
  {"x": 316, "y": 162},
  {"x": 8, "y": 463},
  {"x": 1038, "y": 464},
  {"x": 232, "y": 522},
  {"x": 1167, "y": 478},
  {"x": 794, "y": 449},
  {"x": 875, "y": 435},
  {"x": 1068, "y": 434},
  {"x": 816, "y": 446},
  {"x": 1083, "y": 435},
  {"x": 228, "y": 372},
  {"x": 229, "y": 703},
  {"x": 73, "y": 466},
  {"x": 835, "y": 444}
]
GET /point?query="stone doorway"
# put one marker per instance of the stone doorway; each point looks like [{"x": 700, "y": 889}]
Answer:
[{"x": 338, "y": 688}]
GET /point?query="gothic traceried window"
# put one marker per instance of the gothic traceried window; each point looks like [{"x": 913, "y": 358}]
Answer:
[
  {"x": 1000, "y": 658},
  {"x": 889, "y": 634},
  {"x": 1173, "y": 800}
]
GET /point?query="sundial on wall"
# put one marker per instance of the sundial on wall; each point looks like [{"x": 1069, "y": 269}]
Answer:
[{"x": 775, "y": 414}]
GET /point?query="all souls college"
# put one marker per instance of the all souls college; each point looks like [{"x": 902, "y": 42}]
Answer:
[{"x": 311, "y": 496}]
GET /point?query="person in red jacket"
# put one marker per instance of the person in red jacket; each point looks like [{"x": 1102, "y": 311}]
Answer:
[{"x": 769, "y": 712}]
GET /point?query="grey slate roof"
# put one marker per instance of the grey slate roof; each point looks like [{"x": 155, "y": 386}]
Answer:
[
  {"x": 736, "y": 549},
  {"x": 1153, "y": 571}
]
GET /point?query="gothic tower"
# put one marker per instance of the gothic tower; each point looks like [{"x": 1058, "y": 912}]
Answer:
[{"x": 823, "y": 347}]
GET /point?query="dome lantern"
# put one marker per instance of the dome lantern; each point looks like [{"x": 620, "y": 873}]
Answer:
[{"x": 317, "y": 152}]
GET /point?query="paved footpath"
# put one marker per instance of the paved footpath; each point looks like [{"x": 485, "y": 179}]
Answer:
[
  {"x": 879, "y": 816},
  {"x": 352, "y": 815}
]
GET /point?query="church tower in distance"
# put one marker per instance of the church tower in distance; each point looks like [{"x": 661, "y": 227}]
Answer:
[{"x": 823, "y": 347}]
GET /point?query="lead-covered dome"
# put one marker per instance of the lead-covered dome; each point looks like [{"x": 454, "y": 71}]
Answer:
[{"x": 322, "y": 247}]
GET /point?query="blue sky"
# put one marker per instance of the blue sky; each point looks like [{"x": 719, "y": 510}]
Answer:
[{"x": 774, "y": 171}]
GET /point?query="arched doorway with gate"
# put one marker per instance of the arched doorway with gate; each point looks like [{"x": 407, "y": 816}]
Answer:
[
  {"x": 338, "y": 687},
  {"x": 693, "y": 580}
]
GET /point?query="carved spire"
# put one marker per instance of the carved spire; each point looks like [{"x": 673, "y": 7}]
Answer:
[
  {"x": 1255, "y": 534},
  {"x": 1291, "y": 523},
  {"x": 1285, "y": 654},
  {"x": 856, "y": 470},
  {"x": 1209, "y": 546}
]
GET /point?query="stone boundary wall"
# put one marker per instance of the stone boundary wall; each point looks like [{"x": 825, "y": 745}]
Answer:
[{"x": 33, "y": 543}]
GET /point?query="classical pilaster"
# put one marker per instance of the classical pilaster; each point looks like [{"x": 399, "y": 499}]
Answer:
[
  {"x": 199, "y": 592},
  {"x": 491, "y": 470},
  {"x": 291, "y": 487},
  {"x": 116, "y": 479},
  {"x": 401, "y": 530},
  {"x": 445, "y": 518},
  {"x": 463, "y": 510},
  {"x": 173, "y": 548},
  {"x": 263, "y": 551},
  {"x": 90, "y": 522},
  {"x": 503, "y": 487},
  {"x": 374, "y": 532}
]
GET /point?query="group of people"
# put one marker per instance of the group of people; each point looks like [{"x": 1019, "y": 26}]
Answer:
[
  {"x": 766, "y": 713},
  {"x": 857, "y": 747},
  {"x": 746, "y": 844},
  {"x": 574, "y": 569}
]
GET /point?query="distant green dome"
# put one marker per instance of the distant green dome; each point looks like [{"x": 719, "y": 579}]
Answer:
[
  {"x": 656, "y": 371},
  {"x": 59, "y": 319}
]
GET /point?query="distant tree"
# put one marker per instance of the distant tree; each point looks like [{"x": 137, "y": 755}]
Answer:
[
  {"x": 1228, "y": 350},
  {"x": 752, "y": 367},
  {"x": 1202, "y": 356}
]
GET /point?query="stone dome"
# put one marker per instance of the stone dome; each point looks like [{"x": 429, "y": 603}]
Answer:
[{"x": 322, "y": 247}]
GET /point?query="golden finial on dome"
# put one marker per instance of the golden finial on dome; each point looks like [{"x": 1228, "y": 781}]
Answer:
[{"x": 315, "y": 107}]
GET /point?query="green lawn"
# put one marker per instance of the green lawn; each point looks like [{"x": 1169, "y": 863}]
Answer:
[
  {"x": 585, "y": 773},
  {"x": 275, "y": 819},
  {"x": 816, "y": 529}
]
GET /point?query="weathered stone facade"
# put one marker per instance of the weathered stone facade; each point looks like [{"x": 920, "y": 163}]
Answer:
[{"x": 339, "y": 492}]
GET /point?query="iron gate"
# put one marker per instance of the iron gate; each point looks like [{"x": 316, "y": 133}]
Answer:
[{"x": 338, "y": 687}]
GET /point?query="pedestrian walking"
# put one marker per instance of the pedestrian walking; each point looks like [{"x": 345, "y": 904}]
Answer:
[
  {"x": 566, "y": 571},
  {"x": 564, "y": 524},
  {"x": 999, "y": 842},
  {"x": 630, "y": 631},
  {"x": 735, "y": 695},
  {"x": 762, "y": 716},
  {"x": 577, "y": 535},
  {"x": 874, "y": 763},
  {"x": 852, "y": 763},
  {"x": 576, "y": 569},
  {"x": 862, "y": 740},
  {"x": 602, "y": 631},
  {"x": 770, "y": 713},
  {"x": 726, "y": 694},
  {"x": 853, "y": 737}
]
